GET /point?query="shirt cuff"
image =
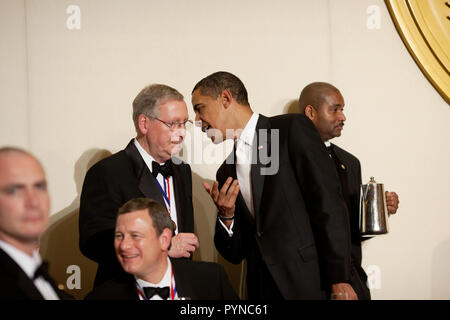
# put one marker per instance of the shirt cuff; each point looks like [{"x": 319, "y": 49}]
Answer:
[{"x": 229, "y": 231}]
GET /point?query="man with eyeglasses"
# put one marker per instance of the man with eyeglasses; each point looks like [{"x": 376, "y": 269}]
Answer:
[{"x": 145, "y": 168}]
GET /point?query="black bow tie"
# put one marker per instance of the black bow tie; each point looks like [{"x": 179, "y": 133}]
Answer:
[
  {"x": 165, "y": 169},
  {"x": 41, "y": 271},
  {"x": 162, "y": 292}
]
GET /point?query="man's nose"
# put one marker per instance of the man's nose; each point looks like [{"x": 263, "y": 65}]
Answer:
[
  {"x": 342, "y": 116},
  {"x": 180, "y": 132},
  {"x": 125, "y": 243},
  {"x": 31, "y": 199}
]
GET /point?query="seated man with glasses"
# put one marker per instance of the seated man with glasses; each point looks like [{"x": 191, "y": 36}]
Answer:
[{"x": 145, "y": 168}]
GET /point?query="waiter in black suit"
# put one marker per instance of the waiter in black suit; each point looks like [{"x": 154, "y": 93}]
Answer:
[
  {"x": 24, "y": 211},
  {"x": 279, "y": 199},
  {"x": 324, "y": 105},
  {"x": 145, "y": 168},
  {"x": 142, "y": 239}
]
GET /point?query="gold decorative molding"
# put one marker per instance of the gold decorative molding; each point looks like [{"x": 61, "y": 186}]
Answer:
[{"x": 424, "y": 26}]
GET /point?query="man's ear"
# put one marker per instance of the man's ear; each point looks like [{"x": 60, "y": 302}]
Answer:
[
  {"x": 165, "y": 239},
  {"x": 310, "y": 112},
  {"x": 143, "y": 124},
  {"x": 226, "y": 98}
]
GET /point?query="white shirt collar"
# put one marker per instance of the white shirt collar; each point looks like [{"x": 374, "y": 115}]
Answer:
[
  {"x": 145, "y": 155},
  {"x": 327, "y": 143},
  {"x": 27, "y": 263},
  {"x": 165, "y": 281},
  {"x": 248, "y": 133}
]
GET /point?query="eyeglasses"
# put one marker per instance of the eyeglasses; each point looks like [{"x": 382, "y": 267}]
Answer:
[{"x": 186, "y": 124}]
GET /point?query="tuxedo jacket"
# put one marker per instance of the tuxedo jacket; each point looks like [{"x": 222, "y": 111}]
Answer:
[
  {"x": 194, "y": 280},
  {"x": 351, "y": 184},
  {"x": 107, "y": 186},
  {"x": 15, "y": 284},
  {"x": 300, "y": 229}
]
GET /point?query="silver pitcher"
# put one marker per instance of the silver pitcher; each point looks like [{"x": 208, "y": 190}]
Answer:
[{"x": 373, "y": 214}]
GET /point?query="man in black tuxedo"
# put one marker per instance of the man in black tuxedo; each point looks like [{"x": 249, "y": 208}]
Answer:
[
  {"x": 324, "y": 105},
  {"x": 142, "y": 239},
  {"x": 24, "y": 211},
  {"x": 145, "y": 168},
  {"x": 280, "y": 204}
]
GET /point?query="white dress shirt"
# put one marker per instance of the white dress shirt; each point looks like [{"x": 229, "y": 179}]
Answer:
[
  {"x": 160, "y": 179},
  {"x": 328, "y": 144},
  {"x": 166, "y": 281},
  {"x": 244, "y": 156},
  {"x": 29, "y": 264}
]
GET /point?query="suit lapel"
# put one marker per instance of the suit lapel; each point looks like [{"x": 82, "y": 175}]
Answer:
[
  {"x": 261, "y": 145},
  {"x": 126, "y": 287},
  {"x": 183, "y": 281},
  {"x": 146, "y": 182},
  {"x": 229, "y": 170},
  {"x": 25, "y": 284},
  {"x": 180, "y": 198},
  {"x": 28, "y": 287}
]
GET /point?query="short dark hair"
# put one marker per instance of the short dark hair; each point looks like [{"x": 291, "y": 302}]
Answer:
[
  {"x": 314, "y": 94},
  {"x": 214, "y": 84},
  {"x": 158, "y": 213}
]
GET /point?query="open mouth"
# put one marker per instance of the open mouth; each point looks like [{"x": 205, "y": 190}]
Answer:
[{"x": 128, "y": 257}]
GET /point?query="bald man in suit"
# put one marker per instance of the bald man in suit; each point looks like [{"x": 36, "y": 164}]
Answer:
[
  {"x": 324, "y": 105},
  {"x": 24, "y": 212}
]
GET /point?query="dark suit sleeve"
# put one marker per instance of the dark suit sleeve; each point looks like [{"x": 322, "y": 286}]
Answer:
[
  {"x": 356, "y": 210},
  {"x": 231, "y": 248},
  {"x": 99, "y": 204},
  {"x": 323, "y": 198},
  {"x": 227, "y": 291},
  {"x": 121, "y": 287}
]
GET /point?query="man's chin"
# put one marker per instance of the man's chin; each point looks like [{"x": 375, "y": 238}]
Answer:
[
  {"x": 215, "y": 135},
  {"x": 215, "y": 140},
  {"x": 129, "y": 267},
  {"x": 177, "y": 147},
  {"x": 337, "y": 133}
]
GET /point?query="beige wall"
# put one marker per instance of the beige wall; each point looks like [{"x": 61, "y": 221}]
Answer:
[{"x": 66, "y": 95}]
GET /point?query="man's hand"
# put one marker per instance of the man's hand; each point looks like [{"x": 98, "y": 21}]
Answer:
[
  {"x": 392, "y": 202},
  {"x": 343, "y": 291},
  {"x": 183, "y": 244},
  {"x": 224, "y": 199}
]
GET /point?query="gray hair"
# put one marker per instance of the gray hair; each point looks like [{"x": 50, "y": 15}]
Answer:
[{"x": 150, "y": 98}]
